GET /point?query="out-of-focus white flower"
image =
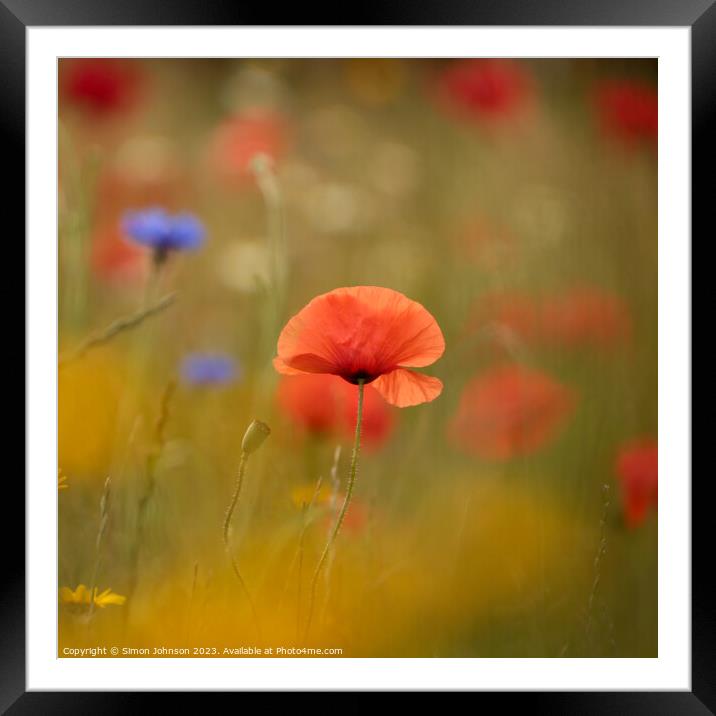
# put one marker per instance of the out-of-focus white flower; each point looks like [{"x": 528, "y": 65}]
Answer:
[
  {"x": 252, "y": 87},
  {"x": 335, "y": 207}
]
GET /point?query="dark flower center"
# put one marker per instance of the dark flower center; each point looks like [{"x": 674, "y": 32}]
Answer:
[{"x": 358, "y": 376}]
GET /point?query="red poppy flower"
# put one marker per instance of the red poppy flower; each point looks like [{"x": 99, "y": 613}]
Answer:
[
  {"x": 580, "y": 317},
  {"x": 115, "y": 259},
  {"x": 369, "y": 334},
  {"x": 637, "y": 468},
  {"x": 486, "y": 89},
  {"x": 239, "y": 139},
  {"x": 584, "y": 316},
  {"x": 515, "y": 312},
  {"x": 628, "y": 111},
  {"x": 510, "y": 411},
  {"x": 100, "y": 86},
  {"x": 485, "y": 245},
  {"x": 326, "y": 405}
]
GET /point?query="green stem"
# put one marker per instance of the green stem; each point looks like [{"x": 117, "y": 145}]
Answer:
[
  {"x": 115, "y": 328},
  {"x": 234, "y": 499},
  {"x": 225, "y": 533},
  {"x": 344, "y": 508},
  {"x": 103, "y": 520}
]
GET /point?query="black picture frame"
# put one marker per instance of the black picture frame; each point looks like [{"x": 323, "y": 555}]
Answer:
[{"x": 699, "y": 15}]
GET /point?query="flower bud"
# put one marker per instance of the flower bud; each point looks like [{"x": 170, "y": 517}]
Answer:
[{"x": 254, "y": 437}]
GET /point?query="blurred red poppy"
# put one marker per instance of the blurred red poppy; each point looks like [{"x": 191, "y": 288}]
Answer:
[
  {"x": 240, "y": 138},
  {"x": 368, "y": 334},
  {"x": 485, "y": 245},
  {"x": 486, "y": 90},
  {"x": 637, "y": 468},
  {"x": 578, "y": 317},
  {"x": 510, "y": 411},
  {"x": 584, "y": 316},
  {"x": 145, "y": 173},
  {"x": 100, "y": 86},
  {"x": 114, "y": 259},
  {"x": 628, "y": 111},
  {"x": 514, "y": 312},
  {"x": 327, "y": 405}
]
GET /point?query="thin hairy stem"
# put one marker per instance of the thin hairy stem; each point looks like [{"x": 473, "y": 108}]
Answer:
[
  {"x": 101, "y": 530},
  {"x": 598, "y": 558},
  {"x": 344, "y": 508},
  {"x": 234, "y": 498},
  {"x": 121, "y": 325},
  {"x": 601, "y": 551},
  {"x": 304, "y": 529},
  {"x": 225, "y": 535},
  {"x": 163, "y": 416},
  {"x": 336, "y": 483},
  {"x": 305, "y": 510}
]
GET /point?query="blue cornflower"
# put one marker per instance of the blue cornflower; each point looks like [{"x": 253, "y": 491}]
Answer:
[
  {"x": 209, "y": 369},
  {"x": 164, "y": 232}
]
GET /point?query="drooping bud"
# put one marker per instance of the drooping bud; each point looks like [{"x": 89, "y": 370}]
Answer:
[{"x": 254, "y": 437}]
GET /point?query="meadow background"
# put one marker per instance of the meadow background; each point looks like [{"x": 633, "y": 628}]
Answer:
[{"x": 516, "y": 201}]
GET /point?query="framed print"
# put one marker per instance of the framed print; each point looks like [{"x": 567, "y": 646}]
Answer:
[{"x": 355, "y": 353}]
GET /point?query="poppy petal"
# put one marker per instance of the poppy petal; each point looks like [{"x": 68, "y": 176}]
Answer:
[
  {"x": 284, "y": 369},
  {"x": 510, "y": 411},
  {"x": 638, "y": 471},
  {"x": 303, "y": 364},
  {"x": 405, "y": 387}
]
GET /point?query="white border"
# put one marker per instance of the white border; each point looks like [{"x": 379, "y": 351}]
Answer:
[{"x": 671, "y": 670}]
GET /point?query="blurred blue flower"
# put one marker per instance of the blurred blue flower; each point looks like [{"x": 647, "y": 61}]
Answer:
[
  {"x": 209, "y": 369},
  {"x": 164, "y": 232}
]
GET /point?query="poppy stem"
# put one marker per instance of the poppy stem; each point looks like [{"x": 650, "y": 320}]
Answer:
[
  {"x": 344, "y": 508},
  {"x": 225, "y": 533},
  {"x": 599, "y": 557}
]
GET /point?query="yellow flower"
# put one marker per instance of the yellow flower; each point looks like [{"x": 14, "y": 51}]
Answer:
[
  {"x": 81, "y": 595},
  {"x": 61, "y": 481}
]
